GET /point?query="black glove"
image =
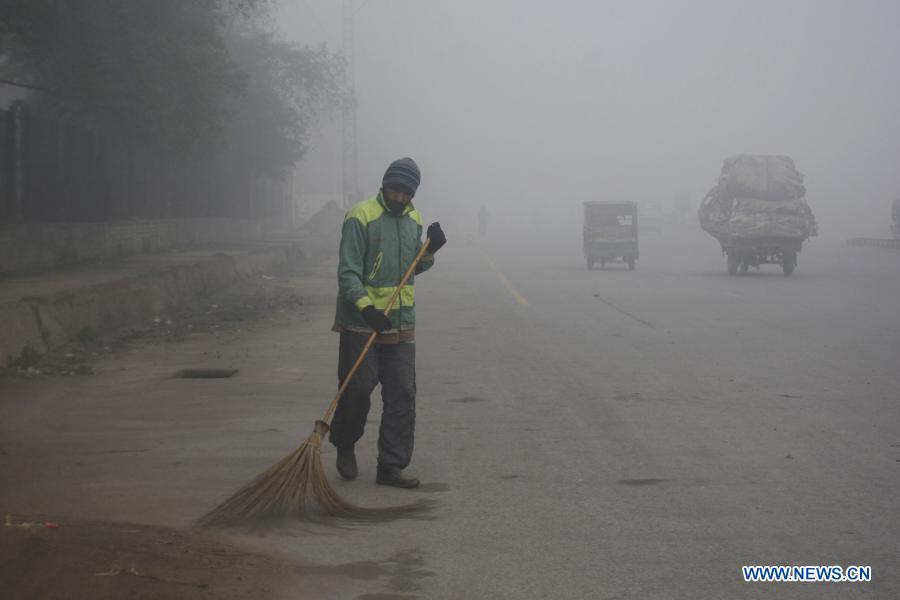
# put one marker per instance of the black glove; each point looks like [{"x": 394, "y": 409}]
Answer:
[
  {"x": 376, "y": 319},
  {"x": 437, "y": 237}
]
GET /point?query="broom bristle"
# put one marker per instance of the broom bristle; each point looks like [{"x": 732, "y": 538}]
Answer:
[{"x": 297, "y": 485}]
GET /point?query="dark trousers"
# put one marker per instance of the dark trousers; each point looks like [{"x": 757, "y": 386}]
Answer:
[{"x": 394, "y": 366}]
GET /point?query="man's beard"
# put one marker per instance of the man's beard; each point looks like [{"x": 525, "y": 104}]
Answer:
[{"x": 396, "y": 208}]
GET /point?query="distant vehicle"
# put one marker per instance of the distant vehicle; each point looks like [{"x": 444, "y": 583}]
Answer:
[
  {"x": 610, "y": 233},
  {"x": 651, "y": 217},
  {"x": 758, "y": 212}
]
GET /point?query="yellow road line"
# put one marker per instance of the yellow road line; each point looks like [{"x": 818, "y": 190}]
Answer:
[{"x": 521, "y": 301}]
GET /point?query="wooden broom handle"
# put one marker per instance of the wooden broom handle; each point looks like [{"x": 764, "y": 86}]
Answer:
[{"x": 328, "y": 413}]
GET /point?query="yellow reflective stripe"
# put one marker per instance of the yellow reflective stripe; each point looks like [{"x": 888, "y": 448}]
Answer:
[
  {"x": 415, "y": 216},
  {"x": 380, "y": 296},
  {"x": 377, "y": 265},
  {"x": 366, "y": 212},
  {"x": 363, "y": 302},
  {"x": 408, "y": 295}
]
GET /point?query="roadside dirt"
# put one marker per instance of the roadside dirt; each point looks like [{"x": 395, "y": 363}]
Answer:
[
  {"x": 102, "y": 560},
  {"x": 110, "y": 561}
]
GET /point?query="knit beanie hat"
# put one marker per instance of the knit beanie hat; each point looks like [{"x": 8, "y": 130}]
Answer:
[{"x": 403, "y": 173}]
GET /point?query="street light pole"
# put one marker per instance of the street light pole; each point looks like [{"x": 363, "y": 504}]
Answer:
[{"x": 349, "y": 181}]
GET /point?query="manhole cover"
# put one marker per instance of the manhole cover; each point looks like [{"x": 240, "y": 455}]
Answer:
[{"x": 205, "y": 373}]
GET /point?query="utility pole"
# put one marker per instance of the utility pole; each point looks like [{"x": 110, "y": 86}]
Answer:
[
  {"x": 18, "y": 124},
  {"x": 350, "y": 183}
]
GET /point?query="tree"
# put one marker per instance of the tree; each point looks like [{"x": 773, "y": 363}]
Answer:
[
  {"x": 288, "y": 88},
  {"x": 197, "y": 81},
  {"x": 156, "y": 71}
]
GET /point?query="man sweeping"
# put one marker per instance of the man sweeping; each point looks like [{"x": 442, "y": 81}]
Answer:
[{"x": 380, "y": 238}]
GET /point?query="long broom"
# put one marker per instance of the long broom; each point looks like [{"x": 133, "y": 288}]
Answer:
[{"x": 298, "y": 481}]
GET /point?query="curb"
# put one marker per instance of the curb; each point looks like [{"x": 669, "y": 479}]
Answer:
[{"x": 42, "y": 323}]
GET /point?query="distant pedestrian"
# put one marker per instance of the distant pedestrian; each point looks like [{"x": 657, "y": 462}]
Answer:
[{"x": 380, "y": 238}]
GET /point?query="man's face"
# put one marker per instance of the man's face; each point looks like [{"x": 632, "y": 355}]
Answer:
[{"x": 397, "y": 197}]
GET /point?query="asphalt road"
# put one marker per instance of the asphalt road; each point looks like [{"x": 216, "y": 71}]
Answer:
[{"x": 585, "y": 434}]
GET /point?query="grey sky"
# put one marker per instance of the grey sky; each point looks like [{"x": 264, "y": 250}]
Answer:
[{"x": 527, "y": 105}]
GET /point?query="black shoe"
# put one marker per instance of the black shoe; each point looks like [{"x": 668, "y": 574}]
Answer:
[
  {"x": 394, "y": 477},
  {"x": 346, "y": 463}
]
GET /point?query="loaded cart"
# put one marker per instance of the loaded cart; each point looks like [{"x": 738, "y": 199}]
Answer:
[{"x": 758, "y": 212}]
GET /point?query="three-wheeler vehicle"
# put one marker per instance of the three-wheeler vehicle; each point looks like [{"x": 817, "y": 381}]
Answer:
[
  {"x": 745, "y": 253},
  {"x": 610, "y": 233}
]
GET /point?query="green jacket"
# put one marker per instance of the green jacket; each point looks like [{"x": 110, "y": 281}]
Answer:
[{"x": 376, "y": 250}]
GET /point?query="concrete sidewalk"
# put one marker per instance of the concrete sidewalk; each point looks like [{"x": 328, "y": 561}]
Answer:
[{"x": 45, "y": 309}]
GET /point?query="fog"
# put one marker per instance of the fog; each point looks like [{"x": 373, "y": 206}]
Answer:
[
  {"x": 610, "y": 415},
  {"x": 532, "y": 108}
]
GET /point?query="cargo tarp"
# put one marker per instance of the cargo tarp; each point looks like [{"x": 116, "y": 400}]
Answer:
[
  {"x": 758, "y": 196},
  {"x": 752, "y": 218},
  {"x": 762, "y": 177}
]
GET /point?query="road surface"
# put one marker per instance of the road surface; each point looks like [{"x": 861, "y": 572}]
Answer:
[{"x": 585, "y": 434}]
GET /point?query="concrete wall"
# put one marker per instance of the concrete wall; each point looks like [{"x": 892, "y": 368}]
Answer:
[
  {"x": 40, "y": 323},
  {"x": 43, "y": 245}
]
